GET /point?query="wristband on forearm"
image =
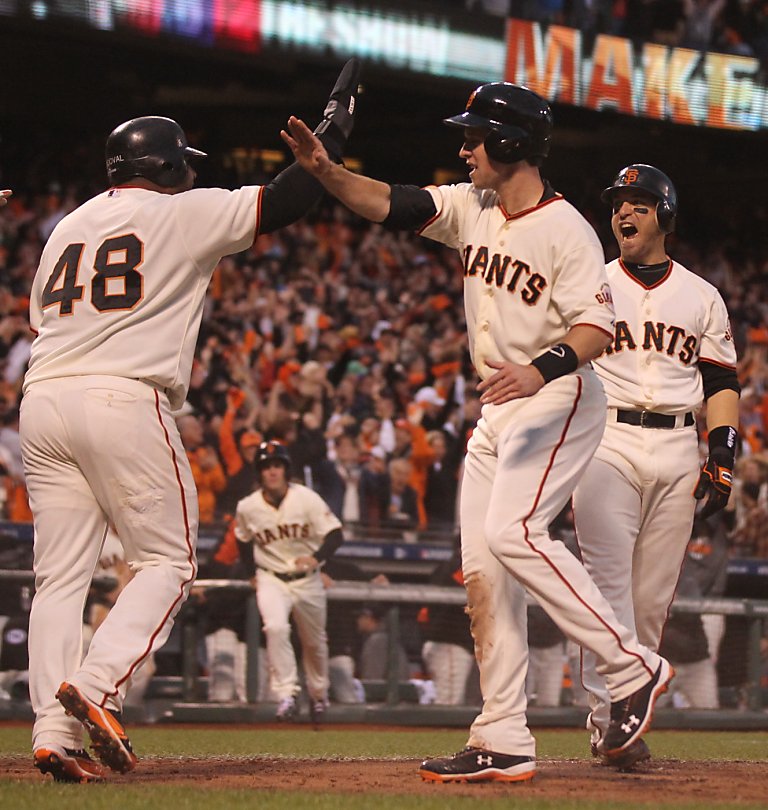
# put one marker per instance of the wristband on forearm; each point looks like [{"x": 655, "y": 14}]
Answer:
[
  {"x": 556, "y": 362},
  {"x": 723, "y": 440}
]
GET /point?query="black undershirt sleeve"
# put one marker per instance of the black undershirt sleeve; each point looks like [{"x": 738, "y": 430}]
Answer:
[
  {"x": 246, "y": 558},
  {"x": 410, "y": 208},
  {"x": 287, "y": 198},
  {"x": 331, "y": 542},
  {"x": 718, "y": 378}
]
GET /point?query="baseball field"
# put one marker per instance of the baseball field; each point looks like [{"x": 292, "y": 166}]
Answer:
[{"x": 341, "y": 767}]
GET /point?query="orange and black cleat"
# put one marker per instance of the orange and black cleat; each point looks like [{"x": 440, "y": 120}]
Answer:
[
  {"x": 110, "y": 742},
  {"x": 67, "y": 764}
]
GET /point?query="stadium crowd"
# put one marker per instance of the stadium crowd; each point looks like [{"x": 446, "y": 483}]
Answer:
[{"x": 347, "y": 343}]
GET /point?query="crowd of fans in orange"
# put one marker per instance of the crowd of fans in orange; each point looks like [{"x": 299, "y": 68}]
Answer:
[{"x": 347, "y": 342}]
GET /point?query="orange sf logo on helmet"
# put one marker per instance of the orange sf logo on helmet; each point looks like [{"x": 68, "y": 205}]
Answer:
[
  {"x": 471, "y": 98},
  {"x": 630, "y": 176}
]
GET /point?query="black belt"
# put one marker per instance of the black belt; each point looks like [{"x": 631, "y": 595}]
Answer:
[
  {"x": 649, "y": 419},
  {"x": 289, "y": 577}
]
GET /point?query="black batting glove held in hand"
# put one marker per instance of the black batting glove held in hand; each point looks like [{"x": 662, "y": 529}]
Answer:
[
  {"x": 338, "y": 117},
  {"x": 716, "y": 477}
]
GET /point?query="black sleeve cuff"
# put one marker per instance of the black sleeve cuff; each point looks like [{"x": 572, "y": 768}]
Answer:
[{"x": 410, "y": 208}]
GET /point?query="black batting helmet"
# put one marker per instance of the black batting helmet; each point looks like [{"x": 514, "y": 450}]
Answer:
[
  {"x": 655, "y": 182},
  {"x": 519, "y": 119},
  {"x": 153, "y": 147},
  {"x": 272, "y": 451}
]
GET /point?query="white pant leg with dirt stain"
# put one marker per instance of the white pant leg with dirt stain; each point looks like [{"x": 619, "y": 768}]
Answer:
[{"x": 522, "y": 464}]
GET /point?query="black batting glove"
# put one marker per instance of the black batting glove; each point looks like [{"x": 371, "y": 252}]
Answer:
[
  {"x": 338, "y": 116},
  {"x": 716, "y": 477}
]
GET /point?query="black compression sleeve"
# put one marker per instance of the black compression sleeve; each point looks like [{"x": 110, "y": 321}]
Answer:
[
  {"x": 410, "y": 208},
  {"x": 331, "y": 542},
  {"x": 718, "y": 378},
  {"x": 287, "y": 198}
]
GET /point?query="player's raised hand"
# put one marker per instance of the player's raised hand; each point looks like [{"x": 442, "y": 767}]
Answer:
[
  {"x": 307, "y": 148},
  {"x": 4, "y": 195},
  {"x": 511, "y": 381}
]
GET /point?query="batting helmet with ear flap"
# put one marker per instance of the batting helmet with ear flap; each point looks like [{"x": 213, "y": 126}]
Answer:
[
  {"x": 519, "y": 120},
  {"x": 272, "y": 451},
  {"x": 655, "y": 182},
  {"x": 151, "y": 146}
]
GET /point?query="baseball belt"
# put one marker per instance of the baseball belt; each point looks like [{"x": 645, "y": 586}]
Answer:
[
  {"x": 289, "y": 577},
  {"x": 649, "y": 419}
]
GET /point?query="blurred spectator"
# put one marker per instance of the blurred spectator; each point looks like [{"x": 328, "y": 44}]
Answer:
[
  {"x": 338, "y": 480},
  {"x": 402, "y": 500},
  {"x": 448, "y": 651},
  {"x": 373, "y": 660},
  {"x": 343, "y": 638},
  {"x": 207, "y": 471},
  {"x": 440, "y": 501},
  {"x": 546, "y": 659}
]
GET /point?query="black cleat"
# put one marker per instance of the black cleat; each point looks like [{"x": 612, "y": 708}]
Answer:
[
  {"x": 478, "y": 765},
  {"x": 631, "y": 717}
]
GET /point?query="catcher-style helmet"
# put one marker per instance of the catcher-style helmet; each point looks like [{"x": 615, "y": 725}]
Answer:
[
  {"x": 519, "y": 119},
  {"x": 153, "y": 147},
  {"x": 655, "y": 182},
  {"x": 272, "y": 451}
]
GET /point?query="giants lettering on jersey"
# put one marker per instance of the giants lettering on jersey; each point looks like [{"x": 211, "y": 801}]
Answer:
[
  {"x": 504, "y": 271},
  {"x": 286, "y": 531},
  {"x": 657, "y": 336}
]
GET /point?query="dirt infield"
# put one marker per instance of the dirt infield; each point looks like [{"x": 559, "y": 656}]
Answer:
[{"x": 704, "y": 783}]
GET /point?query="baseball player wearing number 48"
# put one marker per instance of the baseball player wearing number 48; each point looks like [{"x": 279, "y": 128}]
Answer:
[
  {"x": 286, "y": 531},
  {"x": 537, "y": 309},
  {"x": 672, "y": 348},
  {"x": 116, "y": 305}
]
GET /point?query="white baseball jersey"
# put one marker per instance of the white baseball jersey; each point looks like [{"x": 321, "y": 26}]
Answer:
[
  {"x": 122, "y": 281},
  {"x": 295, "y": 528},
  {"x": 662, "y": 332},
  {"x": 517, "y": 302}
]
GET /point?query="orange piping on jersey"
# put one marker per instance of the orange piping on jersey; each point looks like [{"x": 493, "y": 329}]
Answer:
[
  {"x": 595, "y": 326},
  {"x": 190, "y": 558},
  {"x": 546, "y": 559},
  {"x": 435, "y": 217},
  {"x": 33, "y": 331},
  {"x": 717, "y": 363},
  {"x": 647, "y": 286},
  {"x": 258, "y": 212},
  {"x": 536, "y": 207}
]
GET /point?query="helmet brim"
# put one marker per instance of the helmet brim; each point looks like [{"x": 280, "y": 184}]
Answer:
[
  {"x": 194, "y": 153},
  {"x": 468, "y": 119}
]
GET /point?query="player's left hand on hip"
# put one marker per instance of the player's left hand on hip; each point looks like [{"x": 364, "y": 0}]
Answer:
[
  {"x": 715, "y": 482},
  {"x": 305, "y": 563},
  {"x": 338, "y": 116},
  {"x": 511, "y": 381}
]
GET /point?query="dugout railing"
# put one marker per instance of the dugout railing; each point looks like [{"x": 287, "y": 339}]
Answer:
[
  {"x": 182, "y": 698},
  {"x": 396, "y": 702}
]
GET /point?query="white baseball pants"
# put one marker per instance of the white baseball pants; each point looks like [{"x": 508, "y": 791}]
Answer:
[
  {"x": 306, "y": 601},
  {"x": 633, "y": 509},
  {"x": 522, "y": 464},
  {"x": 102, "y": 450}
]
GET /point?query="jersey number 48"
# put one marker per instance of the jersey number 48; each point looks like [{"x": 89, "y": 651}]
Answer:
[{"x": 116, "y": 282}]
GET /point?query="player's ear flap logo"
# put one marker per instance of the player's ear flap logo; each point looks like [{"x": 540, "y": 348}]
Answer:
[
  {"x": 471, "y": 98},
  {"x": 630, "y": 176}
]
